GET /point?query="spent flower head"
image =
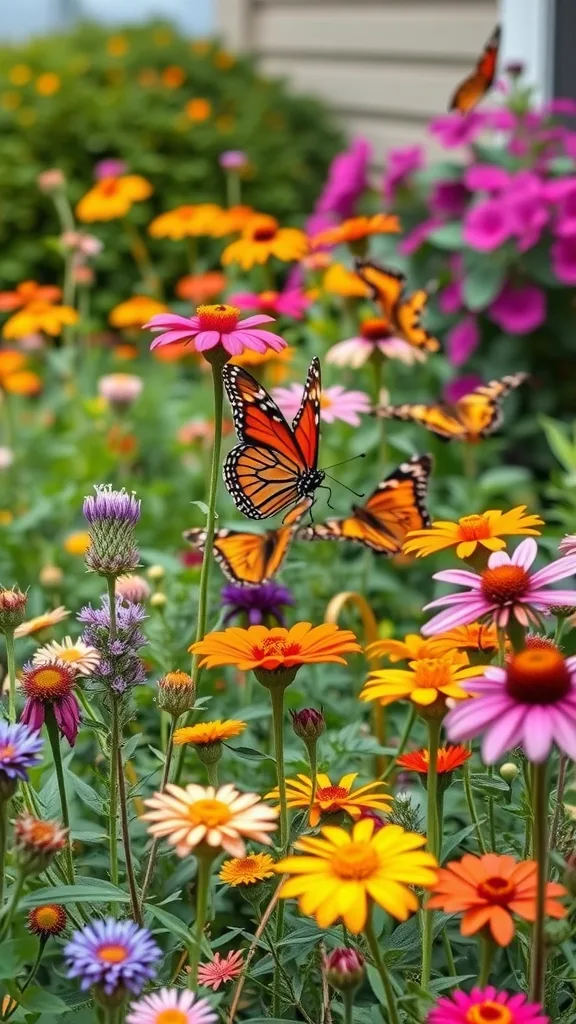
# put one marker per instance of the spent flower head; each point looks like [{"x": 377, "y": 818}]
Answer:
[
  {"x": 36, "y": 843},
  {"x": 176, "y": 693},
  {"x": 12, "y": 608},
  {"x": 112, "y": 517}
]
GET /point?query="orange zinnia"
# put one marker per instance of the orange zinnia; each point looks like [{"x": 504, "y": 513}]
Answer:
[
  {"x": 200, "y": 288},
  {"x": 110, "y": 198},
  {"x": 449, "y": 758},
  {"x": 488, "y": 890},
  {"x": 356, "y": 228},
  {"x": 185, "y": 222},
  {"x": 271, "y": 649},
  {"x": 474, "y": 637},
  {"x": 232, "y": 220},
  {"x": 262, "y": 238},
  {"x": 135, "y": 312},
  {"x": 14, "y": 377},
  {"x": 39, "y": 316},
  {"x": 412, "y": 646},
  {"x": 28, "y": 291}
]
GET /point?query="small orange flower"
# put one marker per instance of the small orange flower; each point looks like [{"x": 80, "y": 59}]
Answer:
[
  {"x": 20, "y": 74},
  {"x": 117, "y": 46},
  {"x": 206, "y": 733},
  {"x": 47, "y": 84},
  {"x": 477, "y": 636},
  {"x": 199, "y": 288},
  {"x": 135, "y": 312},
  {"x": 329, "y": 798},
  {"x": 224, "y": 60},
  {"x": 198, "y": 109},
  {"x": 173, "y": 76},
  {"x": 357, "y": 228},
  {"x": 262, "y": 238},
  {"x": 77, "y": 543},
  {"x": 412, "y": 646},
  {"x": 40, "y": 622},
  {"x": 488, "y": 890},
  {"x": 110, "y": 198},
  {"x": 49, "y": 919},
  {"x": 339, "y": 280},
  {"x": 15, "y": 379},
  {"x": 449, "y": 758},
  {"x": 232, "y": 220},
  {"x": 185, "y": 222},
  {"x": 39, "y": 316},
  {"x": 26, "y": 292},
  {"x": 271, "y": 649}
]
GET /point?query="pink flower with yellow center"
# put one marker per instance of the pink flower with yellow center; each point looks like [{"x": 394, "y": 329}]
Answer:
[
  {"x": 216, "y": 325},
  {"x": 50, "y": 686},
  {"x": 486, "y": 1006},
  {"x": 335, "y": 403},
  {"x": 220, "y": 969},
  {"x": 375, "y": 338}
]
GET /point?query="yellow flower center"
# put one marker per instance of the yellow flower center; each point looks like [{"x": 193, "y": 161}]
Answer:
[
  {"x": 172, "y": 1017},
  {"x": 488, "y": 1013},
  {"x": 331, "y": 794},
  {"x": 496, "y": 890},
  {"x": 46, "y": 678},
  {"x": 474, "y": 528},
  {"x": 375, "y": 328},
  {"x": 218, "y": 318},
  {"x": 325, "y": 401},
  {"x": 7, "y": 751},
  {"x": 432, "y": 673},
  {"x": 47, "y": 917},
  {"x": 113, "y": 954},
  {"x": 71, "y": 654},
  {"x": 504, "y": 584},
  {"x": 538, "y": 676},
  {"x": 355, "y": 861},
  {"x": 211, "y": 813}
]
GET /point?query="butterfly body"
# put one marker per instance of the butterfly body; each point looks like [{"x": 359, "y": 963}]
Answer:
[
  {"x": 480, "y": 81},
  {"x": 402, "y": 310},
  {"x": 249, "y": 559}
]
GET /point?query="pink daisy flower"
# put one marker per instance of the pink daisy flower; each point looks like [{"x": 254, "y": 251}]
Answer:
[
  {"x": 486, "y": 1006},
  {"x": 531, "y": 702},
  {"x": 335, "y": 403},
  {"x": 292, "y": 303},
  {"x": 374, "y": 337},
  {"x": 503, "y": 589},
  {"x": 171, "y": 1004},
  {"x": 220, "y": 970},
  {"x": 568, "y": 544},
  {"x": 215, "y": 325}
]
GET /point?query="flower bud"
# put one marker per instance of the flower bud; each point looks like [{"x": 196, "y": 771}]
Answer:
[
  {"x": 156, "y": 573},
  {"x": 158, "y": 600},
  {"x": 176, "y": 693},
  {"x": 112, "y": 517},
  {"x": 51, "y": 576},
  {"x": 509, "y": 771},
  {"x": 308, "y": 724},
  {"x": 514, "y": 69},
  {"x": 562, "y": 611},
  {"x": 36, "y": 843},
  {"x": 556, "y": 932},
  {"x": 51, "y": 180},
  {"x": 12, "y": 609},
  {"x": 133, "y": 588},
  {"x": 49, "y": 919},
  {"x": 209, "y": 753},
  {"x": 344, "y": 969},
  {"x": 276, "y": 678}
]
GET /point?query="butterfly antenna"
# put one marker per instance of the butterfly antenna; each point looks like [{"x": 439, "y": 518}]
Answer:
[
  {"x": 329, "y": 489},
  {"x": 345, "y": 486},
  {"x": 334, "y": 464}
]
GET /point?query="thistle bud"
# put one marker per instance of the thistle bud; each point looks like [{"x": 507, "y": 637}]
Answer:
[
  {"x": 556, "y": 932},
  {"x": 12, "y": 609},
  {"x": 176, "y": 693},
  {"x": 36, "y": 843},
  {"x": 344, "y": 969},
  {"x": 112, "y": 516},
  {"x": 308, "y": 724},
  {"x": 209, "y": 753},
  {"x": 509, "y": 771}
]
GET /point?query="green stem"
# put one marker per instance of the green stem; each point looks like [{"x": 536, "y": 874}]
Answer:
[
  {"x": 486, "y": 956},
  {"x": 54, "y": 738},
  {"x": 540, "y": 847},
  {"x": 154, "y": 846},
  {"x": 34, "y": 969},
  {"x": 516, "y": 634},
  {"x": 212, "y": 772},
  {"x": 277, "y": 698},
  {"x": 408, "y": 724},
  {"x": 11, "y": 661},
  {"x": 560, "y": 787},
  {"x": 125, "y": 824},
  {"x": 203, "y": 888},
  {"x": 472, "y": 807},
  {"x": 233, "y": 188},
  {"x": 3, "y": 836},
  {"x": 434, "y": 726},
  {"x": 382, "y": 970},
  {"x": 491, "y": 815},
  {"x": 10, "y": 910},
  {"x": 348, "y": 999},
  {"x": 312, "y": 748},
  {"x": 113, "y": 804},
  {"x": 448, "y": 954}
]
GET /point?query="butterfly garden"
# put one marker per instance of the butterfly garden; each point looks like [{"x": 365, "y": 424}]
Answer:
[{"x": 287, "y": 549}]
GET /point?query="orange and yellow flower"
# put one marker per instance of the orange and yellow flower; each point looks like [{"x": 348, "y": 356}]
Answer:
[
  {"x": 271, "y": 649},
  {"x": 200, "y": 288},
  {"x": 412, "y": 646},
  {"x": 39, "y": 316},
  {"x": 356, "y": 228},
  {"x": 448, "y": 759},
  {"x": 485, "y": 530},
  {"x": 475, "y": 637},
  {"x": 329, "y": 798},
  {"x": 263, "y": 238},
  {"x": 173, "y": 76},
  {"x": 26, "y": 292},
  {"x": 185, "y": 222},
  {"x": 77, "y": 543},
  {"x": 40, "y": 622},
  {"x": 425, "y": 681},
  {"x": 48, "y": 84},
  {"x": 255, "y": 867},
  {"x": 339, "y": 280},
  {"x": 341, "y": 872},
  {"x": 135, "y": 312},
  {"x": 488, "y": 890},
  {"x": 232, "y": 220},
  {"x": 15, "y": 379},
  {"x": 204, "y": 733},
  {"x": 198, "y": 109},
  {"x": 111, "y": 198}
]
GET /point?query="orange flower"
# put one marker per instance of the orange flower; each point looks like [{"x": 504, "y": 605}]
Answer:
[
  {"x": 262, "y": 238},
  {"x": 224, "y": 60},
  {"x": 185, "y": 222},
  {"x": 117, "y": 46},
  {"x": 199, "y": 288},
  {"x": 412, "y": 646},
  {"x": 14, "y": 378},
  {"x": 475, "y": 637},
  {"x": 426, "y": 682},
  {"x": 39, "y": 316},
  {"x": 173, "y": 76},
  {"x": 329, "y": 798},
  {"x": 173, "y": 353},
  {"x": 449, "y": 758},
  {"x": 469, "y": 532},
  {"x": 28, "y": 291},
  {"x": 110, "y": 198},
  {"x": 488, "y": 890},
  {"x": 356, "y": 228},
  {"x": 338, "y": 280},
  {"x": 271, "y": 649},
  {"x": 135, "y": 312},
  {"x": 232, "y": 220},
  {"x": 47, "y": 84},
  {"x": 198, "y": 109}
]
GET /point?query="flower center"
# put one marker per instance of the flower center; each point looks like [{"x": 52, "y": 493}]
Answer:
[
  {"x": 47, "y": 917},
  {"x": 432, "y": 673},
  {"x": 263, "y": 230},
  {"x": 375, "y": 328},
  {"x": 496, "y": 889},
  {"x": 7, "y": 751},
  {"x": 325, "y": 401},
  {"x": 172, "y": 1017},
  {"x": 70, "y": 654},
  {"x": 488, "y": 1013},
  {"x": 505, "y": 584},
  {"x": 211, "y": 813},
  {"x": 177, "y": 679},
  {"x": 273, "y": 647},
  {"x": 47, "y": 678},
  {"x": 186, "y": 213},
  {"x": 48, "y": 683},
  {"x": 538, "y": 676},
  {"x": 267, "y": 300},
  {"x": 109, "y": 187},
  {"x": 246, "y": 864},
  {"x": 331, "y": 794},
  {"x": 40, "y": 833},
  {"x": 113, "y": 954},
  {"x": 356, "y": 860},
  {"x": 474, "y": 528},
  {"x": 218, "y": 318}
]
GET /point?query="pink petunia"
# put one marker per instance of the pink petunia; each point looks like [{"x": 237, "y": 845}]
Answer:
[
  {"x": 449, "y": 198},
  {"x": 487, "y": 225},
  {"x": 462, "y": 340},
  {"x": 486, "y": 1004},
  {"x": 460, "y": 386},
  {"x": 347, "y": 180},
  {"x": 456, "y": 129},
  {"x": 293, "y": 303},
  {"x": 563, "y": 251},
  {"x": 505, "y": 588},
  {"x": 400, "y": 165},
  {"x": 451, "y": 298},
  {"x": 219, "y": 970},
  {"x": 215, "y": 325},
  {"x": 528, "y": 206},
  {"x": 486, "y": 178},
  {"x": 418, "y": 236},
  {"x": 519, "y": 309},
  {"x": 335, "y": 403}
]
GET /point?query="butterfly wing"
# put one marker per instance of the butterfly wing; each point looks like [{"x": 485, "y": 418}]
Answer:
[
  {"x": 477, "y": 84},
  {"x": 481, "y": 410},
  {"x": 408, "y": 321},
  {"x": 403, "y": 311},
  {"x": 386, "y": 285},
  {"x": 261, "y": 481},
  {"x": 442, "y": 419},
  {"x": 306, "y": 425},
  {"x": 257, "y": 418},
  {"x": 246, "y": 558}
]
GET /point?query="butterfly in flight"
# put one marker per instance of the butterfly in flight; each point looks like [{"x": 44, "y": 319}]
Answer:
[
  {"x": 403, "y": 311},
  {"x": 275, "y": 466},
  {"x": 246, "y": 558},
  {"x": 476, "y": 85},
  {"x": 382, "y": 522},
  {"x": 472, "y": 417}
]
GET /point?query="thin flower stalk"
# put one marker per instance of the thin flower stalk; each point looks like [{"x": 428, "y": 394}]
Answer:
[
  {"x": 125, "y": 825},
  {"x": 540, "y": 847},
  {"x": 374, "y": 947},
  {"x": 11, "y": 664},
  {"x": 54, "y": 738},
  {"x": 113, "y": 763},
  {"x": 154, "y": 846},
  {"x": 204, "y": 872},
  {"x": 432, "y": 827}
]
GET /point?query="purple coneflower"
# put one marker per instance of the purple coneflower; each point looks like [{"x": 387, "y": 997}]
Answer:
[
  {"x": 112, "y": 954},
  {"x": 261, "y": 604},
  {"x": 216, "y": 325},
  {"x": 51, "y": 685},
  {"x": 171, "y": 1005}
]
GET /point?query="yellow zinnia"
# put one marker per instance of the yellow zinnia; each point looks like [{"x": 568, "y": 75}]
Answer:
[
  {"x": 261, "y": 238},
  {"x": 470, "y": 531},
  {"x": 425, "y": 681},
  {"x": 110, "y": 198},
  {"x": 476, "y": 637},
  {"x": 342, "y": 871},
  {"x": 412, "y": 646},
  {"x": 247, "y": 870},
  {"x": 329, "y": 798},
  {"x": 185, "y": 222},
  {"x": 39, "y": 316},
  {"x": 135, "y": 312},
  {"x": 208, "y": 732}
]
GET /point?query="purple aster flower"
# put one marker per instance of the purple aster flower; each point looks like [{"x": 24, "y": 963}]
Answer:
[
  {"x": 233, "y": 159},
  {"x": 519, "y": 309},
  {"x": 51, "y": 685},
  {"x": 20, "y": 750},
  {"x": 261, "y": 604},
  {"x": 112, "y": 954},
  {"x": 462, "y": 340},
  {"x": 400, "y": 165},
  {"x": 347, "y": 180},
  {"x": 110, "y": 168},
  {"x": 564, "y": 259},
  {"x": 112, "y": 517},
  {"x": 449, "y": 198}
]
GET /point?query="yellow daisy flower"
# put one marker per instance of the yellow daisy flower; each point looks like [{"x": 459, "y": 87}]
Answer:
[
  {"x": 135, "y": 312},
  {"x": 476, "y": 636},
  {"x": 39, "y": 316},
  {"x": 41, "y": 622},
  {"x": 412, "y": 646},
  {"x": 255, "y": 867},
  {"x": 329, "y": 798},
  {"x": 342, "y": 871},
  {"x": 208, "y": 732},
  {"x": 470, "y": 531},
  {"x": 425, "y": 681},
  {"x": 262, "y": 238}
]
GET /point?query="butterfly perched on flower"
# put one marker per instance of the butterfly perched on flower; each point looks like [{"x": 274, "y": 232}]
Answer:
[
  {"x": 479, "y": 82},
  {"x": 392, "y": 510},
  {"x": 246, "y": 558},
  {"x": 275, "y": 466},
  {"x": 403, "y": 311},
  {"x": 474, "y": 416}
]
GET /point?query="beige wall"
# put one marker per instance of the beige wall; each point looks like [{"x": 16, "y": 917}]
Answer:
[{"x": 385, "y": 66}]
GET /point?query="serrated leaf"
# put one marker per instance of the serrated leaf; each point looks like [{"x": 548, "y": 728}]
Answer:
[
  {"x": 86, "y": 794},
  {"x": 492, "y": 784}
]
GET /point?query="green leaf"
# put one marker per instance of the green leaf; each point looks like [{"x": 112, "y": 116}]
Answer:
[
  {"x": 492, "y": 784},
  {"x": 250, "y": 754},
  {"x": 449, "y": 236},
  {"x": 86, "y": 794},
  {"x": 559, "y": 443},
  {"x": 483, "y": 282},
  {"x": 95, "y": 892},
  {"x": 15, "y": 953},
  {"x": 453, "y": 842},
  {"x": 40, "y": 1000},
  {"x": 172, "y": 924}
]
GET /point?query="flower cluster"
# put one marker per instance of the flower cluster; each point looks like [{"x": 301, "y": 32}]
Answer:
[{"x": 119, "y": 668}]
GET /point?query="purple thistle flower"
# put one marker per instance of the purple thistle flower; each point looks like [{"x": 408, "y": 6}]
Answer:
[
  {"x": 120, "y": 667},
  {"x": 19, "y": 750},
  {"x": 112, "y": 954},
  {"x": 107, "y": 505},
  {"x": 112, "y": 517},
  {"x": 259, "y": 604}
]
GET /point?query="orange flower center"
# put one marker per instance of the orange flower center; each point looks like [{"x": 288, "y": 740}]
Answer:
[
  {"x": 496, "y": 890},
  {"x": 218, "y": 318},
  {"x": 176, "y": 679},
  {"x": 48, "y": 683},
  {"x": 109, "y": 187},
  {"x": 211, "y": 813},
  {"x": 246, "y": 864},
  {"x": 172, "y": 1017},
  {"x": 276, "y": 647},
  {"x": 432, "y": 673},
  {"x": 331, "y": 794},
  {"x": 474, "y": 528},
  {"x": 7, "y": 751},
  {"x": 113, "y": 954},
  {"x": 40, "y": 833},
  {"x": 488, "y": 1013},
  {"x": 504, "y": 584},
  {"x": 267, "y": 300},
  {"x": 355, "y": 861},
  {"x": 47, "y": 917},
  {"x": 185, "y": 213},
  {"x": 538, "y": 676},
  {"x": 375, "y": 328}
]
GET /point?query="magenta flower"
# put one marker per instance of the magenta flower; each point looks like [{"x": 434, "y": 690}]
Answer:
[
  {"x": 531, "y": 702},
  {"x": 566, "y": 224},
  {"x": 460, "y": 386},
  {"x": 519, "y": 309},
  {"x": 293, "y": 303},
  {"x": 347, "y": 180},
  {"x": 50, "y": 686},
  {"x": 449, "y": 198},
  {"x": 503, "y": 589},
  {"x": 487, "y": 225},
  {"x": 110, "y": 168},
  {"x": 418, "y": 236},
  {"x": 464, "y": 1007},
  {"x": 462, "y": 340},
  {"x": 486, "y": 178},
  {"x": 233, "y": 159},
  {"x": 336, "y": 403},
  {"x": 451, "y": 298},
  {"x": 528, "y": 206},
  {"x": 563, "y": 252},
  {"x": 453, "y": 130},
  {"x": 401, "y": 164},
  {"x": 216, "y": 325}
]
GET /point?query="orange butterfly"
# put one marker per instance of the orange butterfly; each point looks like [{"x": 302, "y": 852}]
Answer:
[
  {"x": 381, "y": 524},
  {"x": 275, "y": 465},
  {"x": 404, "y": 312},
  {"x": 475, "y": 86},
  {"x": 474, "y": 416},
  {"x": 246, "y": 558}
]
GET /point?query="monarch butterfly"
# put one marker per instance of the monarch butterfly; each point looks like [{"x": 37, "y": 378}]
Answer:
[
  {"x": 395, "y": 507},
  {"x": 275, "y": 465},
  {"x": 246, "y": 558},
  {"x": 474, "y": 416},
  {"x": 403, "y": 311},
  {"x": 475, "y": 86}
]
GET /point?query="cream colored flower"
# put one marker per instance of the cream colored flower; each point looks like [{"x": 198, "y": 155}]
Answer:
[
  {"x": 45, "y": 621},
  {"x": 75, "y": 653}
]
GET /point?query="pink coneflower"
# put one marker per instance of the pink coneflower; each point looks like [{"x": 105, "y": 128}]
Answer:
[
  {"x": 375, "y": 336},
  {"x": 171, "y": 1006},
  {"x": 488, "y": 225},
  {"x": 293, "y": 303},
  {"x": 220, "y": 970},
  {"x": 486, "y": 1006},
  {"x": 214, "y": 325},
  {"x": 110, "y": 167},
  {"x": 568, "y": 544},
  {"x": 335, "y": 403},
  {"x": 529, "y": 703},
  {"x": 51, "y": 685},
  {"x": 120, "y": 389},
  {"x": 503, "y": 589},
  {"x": 519, "y": 309}
]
